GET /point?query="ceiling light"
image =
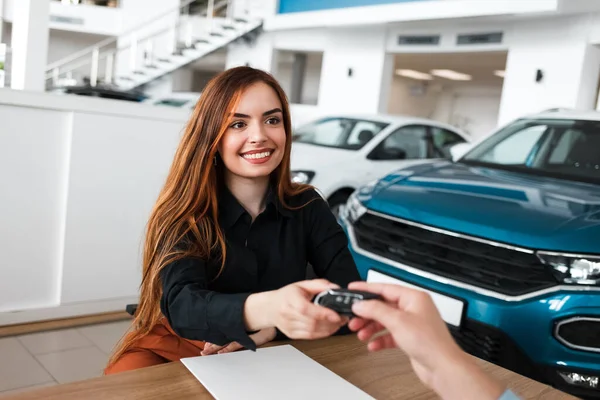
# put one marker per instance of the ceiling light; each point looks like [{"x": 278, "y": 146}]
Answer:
[
  {"x": 500, "y": 73},
  {"x": 409, "y": 73},
  {"x": 452, "y": 75}
]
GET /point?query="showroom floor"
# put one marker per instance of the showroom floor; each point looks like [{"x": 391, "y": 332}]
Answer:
[{"x": 60, "y": 356}]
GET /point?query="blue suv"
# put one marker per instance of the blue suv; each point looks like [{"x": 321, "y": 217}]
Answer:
[{"x": 506, "y": 239}]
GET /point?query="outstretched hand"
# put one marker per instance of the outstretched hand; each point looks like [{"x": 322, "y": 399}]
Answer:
[
  {"x": 408, "y": 319},
  {"x": 298, "y": 317}
]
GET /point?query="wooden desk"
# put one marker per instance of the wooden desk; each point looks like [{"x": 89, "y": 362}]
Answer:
[{"x": 384, "y": 375}]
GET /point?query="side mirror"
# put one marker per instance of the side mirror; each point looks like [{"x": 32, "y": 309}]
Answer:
[{"x": 459, "y": 150}]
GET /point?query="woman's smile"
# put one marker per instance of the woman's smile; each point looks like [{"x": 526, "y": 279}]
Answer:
[{"x": 259, "y": 156}]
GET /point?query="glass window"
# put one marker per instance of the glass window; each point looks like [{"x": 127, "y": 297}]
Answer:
[
  {"x": 566, "y": 149},
  {"x": 443, "y": 140},
  {"x": 362, "y": 133},
  {"x": 343, "y": 133},
  {"x": 515, "y": 149},
  {"x": 408, "y": 140},
  {"x": 568, "y": 139}
]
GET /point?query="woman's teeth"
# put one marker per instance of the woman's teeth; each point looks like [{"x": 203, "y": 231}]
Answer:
[{"x": 255, "y": 156}]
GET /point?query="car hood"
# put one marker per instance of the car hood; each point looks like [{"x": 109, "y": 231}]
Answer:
[
  {"x": 309, "y": 157},
  {"x": 509, "y": 207}
]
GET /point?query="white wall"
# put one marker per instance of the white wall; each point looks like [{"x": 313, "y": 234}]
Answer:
[
  {"x": 302, "y": 39},
  {"x": 448, "y": 30},
  {"x": 259, "y": 54},
  {"x": 34, "y": 154},
  {"x": 118, "y": 164},
  {"x": 590, "y": 76},
  {"x": 1, "y": 19},
  {"x": 363, "y": 51},
  {"x": 470, "y": 107},
  {"x": 8, "y": 10},
  {"x": 86, "y": 18},
  {"x": 80, "y": 176},
  {"x": 570, "y": 65},
  {"x": 80, "y": 18},
  {"x": 312, "y": 77},
  {"x": 302, "y": 114},
  {"x": 139, "y": 12},
  {"x": 30, "y": 45},
  {"x": 559, "y": 45},
  {"x": 255, "y": 8}
]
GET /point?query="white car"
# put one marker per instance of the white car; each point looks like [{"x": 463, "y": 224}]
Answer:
[
  {"x": 338, "y": 154},
  {"x": 176, "y": 99}
]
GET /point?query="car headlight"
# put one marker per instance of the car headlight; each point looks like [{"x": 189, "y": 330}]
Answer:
[
  {"x": 302, "y": 176},
  {"x": 573, "y": 269},
  {"x": 353, "y": 209}
]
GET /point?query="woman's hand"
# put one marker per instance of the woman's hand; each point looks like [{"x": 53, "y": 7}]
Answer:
[
  {"x": 261, "y": 337},
  {"x": 292, "y": 311},
  {"x": 409, "y": 319},
  {"x": 298, "y": 317}
]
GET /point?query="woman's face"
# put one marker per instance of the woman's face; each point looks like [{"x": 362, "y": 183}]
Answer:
[{"x": 254, "y": 144}]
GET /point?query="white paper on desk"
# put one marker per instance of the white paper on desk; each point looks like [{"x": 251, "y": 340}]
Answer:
[{"x": 272, "y": 373}]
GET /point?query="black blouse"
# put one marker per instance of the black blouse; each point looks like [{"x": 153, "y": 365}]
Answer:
[{"x": 267, "y": 254}]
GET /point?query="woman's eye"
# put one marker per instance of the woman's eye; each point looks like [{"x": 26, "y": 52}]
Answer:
[
  {"x": 273, "y": 121},
  {"x": 238, "y": 125}
]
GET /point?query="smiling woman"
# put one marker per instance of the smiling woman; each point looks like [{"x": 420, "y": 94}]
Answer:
[
  {"x": 230, "y": 236},
  {"x": 255, "y": 142}
]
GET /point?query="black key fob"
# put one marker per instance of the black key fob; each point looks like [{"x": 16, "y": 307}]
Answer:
[{"x": 341, "y": 300}]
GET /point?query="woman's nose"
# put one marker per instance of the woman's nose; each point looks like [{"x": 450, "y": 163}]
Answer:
[{"x": 257, "y": 135}]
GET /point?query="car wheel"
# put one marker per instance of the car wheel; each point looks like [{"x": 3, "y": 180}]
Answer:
[{"x": 337, "y": 201}]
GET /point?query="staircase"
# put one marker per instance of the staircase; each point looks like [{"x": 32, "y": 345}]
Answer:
[{"x": 156, "y": 47}]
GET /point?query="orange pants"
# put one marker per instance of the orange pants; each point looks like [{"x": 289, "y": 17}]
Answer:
[{"x": 161, "y": 345}]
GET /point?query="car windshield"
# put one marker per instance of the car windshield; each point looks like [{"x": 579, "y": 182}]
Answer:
[
  {"x": 341, "y": 133},
  {"x": 567, "y": 149}
]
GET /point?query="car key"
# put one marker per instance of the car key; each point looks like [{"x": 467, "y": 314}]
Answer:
[{"x": 341, "y": 300}]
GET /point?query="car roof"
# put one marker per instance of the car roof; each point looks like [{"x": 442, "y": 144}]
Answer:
[
  {"x": 392, "y": 119},
  {"x": 566, "y": 114}
]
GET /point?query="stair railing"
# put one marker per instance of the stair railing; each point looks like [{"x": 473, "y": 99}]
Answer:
[{"x": 105, "y": 54}]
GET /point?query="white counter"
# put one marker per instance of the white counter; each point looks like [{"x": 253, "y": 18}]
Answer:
[{"x": 79, "y": 177}]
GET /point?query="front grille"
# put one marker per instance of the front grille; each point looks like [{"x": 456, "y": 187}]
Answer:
[
  {"x": 480, "y": 341},
  {"x": 493, "y": 345},
  {"x": 499, "y": 269}
]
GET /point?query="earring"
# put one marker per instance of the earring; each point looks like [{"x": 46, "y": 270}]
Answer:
[{"x": 215, "y": 161}]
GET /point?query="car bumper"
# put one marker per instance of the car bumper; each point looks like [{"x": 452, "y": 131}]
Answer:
[{"x": 517, "y": 335}]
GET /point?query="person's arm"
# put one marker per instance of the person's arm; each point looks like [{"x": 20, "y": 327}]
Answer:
[
  {"x": 196, "y": 313},
  {"x": 327, "y": 248},
  {"x": 328, "y": 251},
  {"x": 459, "y": 377}
]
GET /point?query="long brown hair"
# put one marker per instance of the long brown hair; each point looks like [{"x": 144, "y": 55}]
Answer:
[{"x": 187, "y": 209}]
